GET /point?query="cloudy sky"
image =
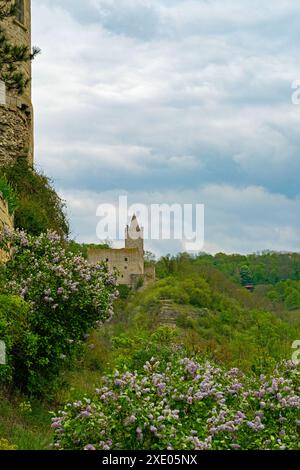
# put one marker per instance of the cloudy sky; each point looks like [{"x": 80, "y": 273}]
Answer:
[{"x": 177, "y": 101}]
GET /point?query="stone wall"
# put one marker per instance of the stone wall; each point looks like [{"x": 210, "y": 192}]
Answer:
[
  {"x": 15, "y": 134},
  {"x": 149, "y": 274},
  {"x": 16, "y": 113},
  {"x": 5, "y": 220},
  {"x": 128, "y": 262}
]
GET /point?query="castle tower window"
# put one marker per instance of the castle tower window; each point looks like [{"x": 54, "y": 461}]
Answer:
[
  {"x": 126, "y": 259},
  {"x": 20, "y": 11}
]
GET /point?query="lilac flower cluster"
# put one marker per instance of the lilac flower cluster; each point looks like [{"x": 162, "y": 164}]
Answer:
[
  {"x": 186, "y": 404},
  {"x": 67, "y": 296}
]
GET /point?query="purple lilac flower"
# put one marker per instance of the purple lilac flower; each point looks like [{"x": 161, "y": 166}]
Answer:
[
  {"x": 131, "y": 419},
  {"x": 89, "y": 447},
  {"x": 139, "y": 434},
  {"x": 235, "y": 446},
  {"x": 85, "y": 414}
]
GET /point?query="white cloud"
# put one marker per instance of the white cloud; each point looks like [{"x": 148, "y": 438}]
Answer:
[
  {"x": 171, "y": 96},
  {"x": 237, "y": 219}
]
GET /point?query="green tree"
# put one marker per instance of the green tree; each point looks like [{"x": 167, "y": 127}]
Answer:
[
  {"x": 149, "y": 257},
  {"x": 246, "y": 275},
  {"x": 292, "y": 299}
]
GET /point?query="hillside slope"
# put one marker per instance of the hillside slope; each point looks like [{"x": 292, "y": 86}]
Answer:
[
  {"x": 202, "y": 311},
  {"x": 197, "y": 310}
]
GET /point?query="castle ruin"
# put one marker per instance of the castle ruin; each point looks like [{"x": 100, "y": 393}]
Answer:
[{"x": 128, "y": 262}]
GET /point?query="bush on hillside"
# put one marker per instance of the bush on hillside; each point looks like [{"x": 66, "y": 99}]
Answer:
[
  {"x": 14, "y": 326},
  {"x": 6, "y": 445},
  {"x": 38, "y": 208},
  {"x": 286, "y": 292},
  {"x": 124, "y": 291},
  {"x": 67, "y": 297},
  {"x": 8, "y": 194},
  {"x": 213, "y": 319},
  {"x": 186, "y": 405}
]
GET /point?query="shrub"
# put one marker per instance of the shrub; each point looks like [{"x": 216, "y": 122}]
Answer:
[
  {"x": 121, "y": 341},
  {"x": 165, "y": 335},
  {"x": 6, "y": 445},
  {"x": 292, "y": 299},
  {"x": 79, "y": 249},
  {"x": 185, "y": 405},
  {"x": 124, "y": 291},
  {"x": 67, "y": 297},
  {"x": 8, "y": 194},
  {"x": 39, "y": 207},
  {"x": 13, "y": 329}
]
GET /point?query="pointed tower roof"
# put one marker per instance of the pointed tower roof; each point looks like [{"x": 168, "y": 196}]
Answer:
[{"x": 134, "y": 223}]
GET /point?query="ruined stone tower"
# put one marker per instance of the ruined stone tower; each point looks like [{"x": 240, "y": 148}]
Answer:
[
  {"x": 16, "y": 113},
  {"x": 134, "y": 236},
  {"x": 129, "y": 261}
]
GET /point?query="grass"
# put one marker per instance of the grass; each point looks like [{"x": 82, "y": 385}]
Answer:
[{"x": 24, "y": 425}]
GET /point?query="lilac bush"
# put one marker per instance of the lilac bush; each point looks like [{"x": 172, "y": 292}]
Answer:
[
  {"x": 66, "y": 296},
  {"x": 187, "y": 405}
]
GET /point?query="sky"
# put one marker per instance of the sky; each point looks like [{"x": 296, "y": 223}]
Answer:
[{"x": 173, "y": 101}]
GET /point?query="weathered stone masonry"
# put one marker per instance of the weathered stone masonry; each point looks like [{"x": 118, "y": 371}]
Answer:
[
  {"x": 5, "y": 220},
  {"x": 15, "y": 134},
  {"x": 16, "y": 113}
]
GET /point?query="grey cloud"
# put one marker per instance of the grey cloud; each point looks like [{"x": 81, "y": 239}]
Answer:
[
  {"x": 237, "y": 219},
  {"x": 163, "y": 96},
  {"x": 136, "y": 18}
]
